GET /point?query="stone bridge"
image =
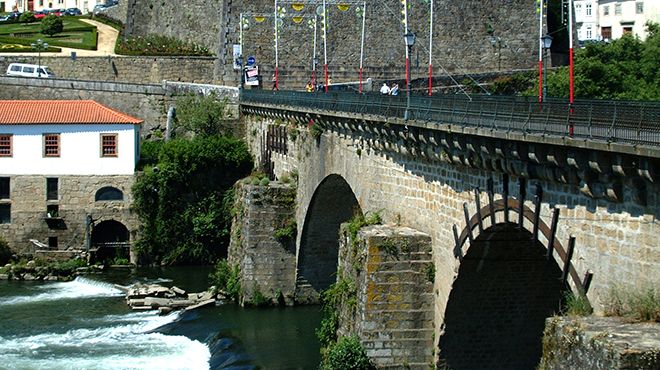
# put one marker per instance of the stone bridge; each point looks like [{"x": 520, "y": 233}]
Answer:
[{"x": 512, "y": 205}]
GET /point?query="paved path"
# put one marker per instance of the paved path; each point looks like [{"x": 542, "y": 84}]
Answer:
[{"x": 105, "y": 44}]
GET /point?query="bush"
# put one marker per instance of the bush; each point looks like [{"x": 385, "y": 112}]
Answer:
[
  {"x": 160, "y": 45},
  {"x": 52, "y": 25},
  {"x": 227, "y": 278},
  {"x": 5, "y": 252},
  {"x": 202, "y": 115},
  {"x": 641, "y": 305},
  {"x": 67, "y": 268},
  {"x": 347, "y": 354},
  {"x": 27, "y": 17},
  {"x": 286, "y": 232},
  {"x": 264, "y": 182},
  {"x": 576, "y": 305}
]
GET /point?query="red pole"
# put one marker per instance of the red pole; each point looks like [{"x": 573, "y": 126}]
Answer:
[
  {"x": 325, "y": 70},
  {"x": 277, "y": 78},
  {"x": 540, "y": 81},
  {"x": 360, "y": 80},
  {"x": 407, "y": 73},
  {"x": 430, "y": 80}
]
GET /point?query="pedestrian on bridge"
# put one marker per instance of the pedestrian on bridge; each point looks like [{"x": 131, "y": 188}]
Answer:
[{"x": 385, "y": 90}]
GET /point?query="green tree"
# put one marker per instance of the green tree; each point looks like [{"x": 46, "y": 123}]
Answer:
[
  {"x": 5, "y": 252},
  {"x": 347, "y": 354},
  {"x": 202, "y": 115},
  {"x": 27, "y": 17},
  {"x": 183, "y": 203},
  {"x": 51, "y": 25}
]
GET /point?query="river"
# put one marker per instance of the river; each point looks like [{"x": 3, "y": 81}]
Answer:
[{"x": 85, "y": 324}]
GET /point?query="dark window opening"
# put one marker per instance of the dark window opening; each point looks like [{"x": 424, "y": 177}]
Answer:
[
  {"x": 606, "y": 33},
  {"x": 52, "y": 242},
  {"x": 4, "y": 187},
  {"x": 109, "y": 193},
  {"x": 51, "y": 188},
  {"x": 53, "y": 210},
  {"x": 5, "y": 213}
]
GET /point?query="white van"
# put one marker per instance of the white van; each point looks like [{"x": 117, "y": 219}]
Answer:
[{"x": 29, "y": 70}]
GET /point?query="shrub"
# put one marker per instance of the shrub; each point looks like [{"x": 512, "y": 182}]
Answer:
[
  {"x": 258, "y": 298},
  {"x": 227, "y": 278},
  {"x": 264, "y": 182},
  {"x": 576, "y": 305},
  {"x": 52, "y": 25},
  {"x": 67, "y": 267},
  {"x": 5, "y": 252},
  {"x": 160, "y": 45},
  {"x": 641, "y": 305},
  {"x": 27, "y": 17},
  {"x": 347, "y": 354},
  {"x": 286, "y": 232}
]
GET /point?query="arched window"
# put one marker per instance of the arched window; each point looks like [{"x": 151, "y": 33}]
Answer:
[{"x": 109, "y": 193}]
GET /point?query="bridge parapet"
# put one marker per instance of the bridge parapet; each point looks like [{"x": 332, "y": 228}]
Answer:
[{"x": 605, "y": 155}]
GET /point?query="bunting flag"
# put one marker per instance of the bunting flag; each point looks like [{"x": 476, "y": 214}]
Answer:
[
  {"x": 298, "y": 6},
  {"x": 297, "y": 19},
  {"x": 259, "y": 18},
  {"x": 343, "y": 6}
]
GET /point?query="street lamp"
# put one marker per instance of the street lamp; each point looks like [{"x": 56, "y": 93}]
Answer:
[
  {"x": 546, "y": 41},
  {"x": 409, "y": 38},
  {"x": 39, "y": 46},
  {"x": 315, "y": 62},
  {"x": 239, "y": 61}
]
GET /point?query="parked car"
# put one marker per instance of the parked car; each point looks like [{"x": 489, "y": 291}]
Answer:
[
  {"x": 4, "y": 18},
  {"x": 73, "y": 11},
  {"x": 29, "y": 70},
  {"x": 39, "y": 14},
  {"x": 99, "y": 8},
  {"x": 110, "y": 3}
]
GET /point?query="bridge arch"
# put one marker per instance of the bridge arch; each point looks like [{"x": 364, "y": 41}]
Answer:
[
  {"x": 109, "y": 239},
  {"x": 332, "y": 204},
  {"x": 508, "y": 283}
]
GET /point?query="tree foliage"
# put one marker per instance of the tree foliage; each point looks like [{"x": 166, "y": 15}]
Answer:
[
  {"x": 51, "y": 25},
  {"x": 5, "y": 252},
  {"x": 182, "y": 201},
  {"x": 347, "y": 354},
  {"x": 625, "y": 69},
  {"x": 202, "y": 115},
  {"x": 26, "y": 17}
]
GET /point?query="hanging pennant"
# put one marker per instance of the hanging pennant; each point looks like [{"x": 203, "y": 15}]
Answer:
[
  {"x": 343, "y": 6},
  {"x": 259, "y": 18},
  {"x": 298, "y": 6},
  {"x": 297, "y": 19}
]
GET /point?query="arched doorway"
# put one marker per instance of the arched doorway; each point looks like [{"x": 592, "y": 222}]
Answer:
[
  {"x": 505, "y": 289},
  {"x": 332, "y": 204},
  {"x": 110, "y": 240}
]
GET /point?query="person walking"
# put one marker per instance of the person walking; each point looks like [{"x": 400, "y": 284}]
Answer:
[
  {"x": 395, "y": 89},
  {"x": 385, "y": 90}
]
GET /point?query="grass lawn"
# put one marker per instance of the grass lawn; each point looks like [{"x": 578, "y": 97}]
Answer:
[{"x": 76, "y": 34}]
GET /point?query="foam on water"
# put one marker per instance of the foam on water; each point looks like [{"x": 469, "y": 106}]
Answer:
[
  {"x": 79, "y": 288},
  {"x": 120, "y": 342}
]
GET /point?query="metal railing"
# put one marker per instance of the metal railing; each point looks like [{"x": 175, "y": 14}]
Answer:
[{"x": 632, "y": 122}]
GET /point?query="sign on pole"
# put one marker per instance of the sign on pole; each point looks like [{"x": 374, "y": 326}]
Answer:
[
  {"x": 236, "y": 53},
  {"x": 251, "y": 60}
]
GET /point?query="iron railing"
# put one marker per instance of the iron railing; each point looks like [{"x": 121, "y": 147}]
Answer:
[{"x": 632, "y": 122}]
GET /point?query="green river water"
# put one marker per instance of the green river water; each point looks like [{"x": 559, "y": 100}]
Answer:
[{"x": 85, "y": 324}]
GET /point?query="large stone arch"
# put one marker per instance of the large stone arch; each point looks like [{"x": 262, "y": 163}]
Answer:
[
  {"x": 332, "y": 204},
  {"x": 505, "y": 289}
]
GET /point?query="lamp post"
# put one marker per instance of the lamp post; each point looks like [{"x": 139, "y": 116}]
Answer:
[
  {"x": 239, "y": 61},
  {"x": 546, "y": 41},
  {"x": 315, "y": 63},
  {"x": 39, "y": 46},
  {"x": 409, "y": 38}
]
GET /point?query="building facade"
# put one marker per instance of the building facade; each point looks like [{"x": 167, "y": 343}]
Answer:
[
  {"x": 604, "y": 20},
  {"x": 35, "y": 5},
  {"x": 66, "y": 171}
]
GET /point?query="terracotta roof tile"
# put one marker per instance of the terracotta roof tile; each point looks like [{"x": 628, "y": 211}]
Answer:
[{"x": 31, "y": 112}]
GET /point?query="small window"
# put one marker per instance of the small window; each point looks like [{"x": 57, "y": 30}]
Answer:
[
  {"x": 52, "y": 210},
  {"x": 51, "y": 145},
  {"x": 109, "y": 193},
  {"x": 15, "y": 68},
  {"x": 5, "y": 213},
  {"x": 5, "y": 145},
  {"x": 639, "y": 7},
  {"x": 617, "y": 9},
  {"x": 606, "y": 10},
  {"x": 108, "y": 145},
  {"x": 627, "y": 30},
  {"x": 606, "y": 33},
  {"x": 4, "y": 187},
  {"x": 52, "y": 188},
  {"x": 28, "y": 69},
  {"x": 52, "y": 242},
  {"x": 589, "y": 34},
  {"x": 588, "y": 9}
]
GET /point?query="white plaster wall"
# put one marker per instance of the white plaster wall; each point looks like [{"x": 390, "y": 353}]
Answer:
[{"x": 80, "y": 152}]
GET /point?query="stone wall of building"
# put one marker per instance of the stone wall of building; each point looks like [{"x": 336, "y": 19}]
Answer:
[
  {"x": 267, "y": 264},
  {"x": 392, "y": 273},
  {"x": 75, "y": 201},
  {"x": 600, "y": 343}
]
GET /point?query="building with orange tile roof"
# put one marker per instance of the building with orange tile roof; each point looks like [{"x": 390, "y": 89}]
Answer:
[{"x": 66, "y": 170}]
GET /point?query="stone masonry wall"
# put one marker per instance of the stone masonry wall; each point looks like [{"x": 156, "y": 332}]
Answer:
[
  {"x": 600, "y": 343},
  {"x": 137, "y": 69},
  {"x": 617, "y": 241},
  {"x": 75, "y": 201},
  {"x": 392, "y": 270},
  {"x": 266, "y": 263}
]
